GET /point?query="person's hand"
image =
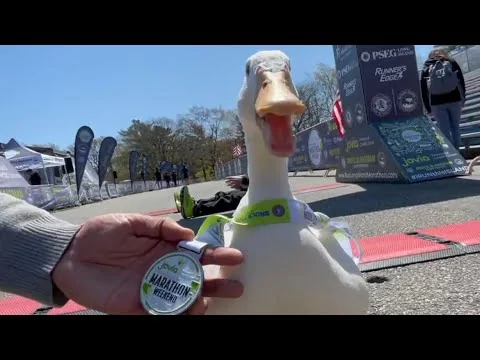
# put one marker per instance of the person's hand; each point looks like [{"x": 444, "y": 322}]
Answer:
[
  {"x": 104, "y": 265},
  {"x": 235, "y": 182}
]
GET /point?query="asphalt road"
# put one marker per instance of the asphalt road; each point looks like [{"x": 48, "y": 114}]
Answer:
[{"x": 449, "y": 286}]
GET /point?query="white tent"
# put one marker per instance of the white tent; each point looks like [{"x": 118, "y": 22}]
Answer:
[
  {"x": 9, "y": 176},
  {"x": 24, "y": 158}
]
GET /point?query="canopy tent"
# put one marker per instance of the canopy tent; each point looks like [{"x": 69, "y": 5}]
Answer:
[
  {"x": 23, "y": 158},
  {"x": 9, "y": 176}
]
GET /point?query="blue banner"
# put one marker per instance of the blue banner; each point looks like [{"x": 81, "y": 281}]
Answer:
[
  {"x": 107, "y": 148},
  {"x": 166, "y": 166},
  {"x": 144, "y": 167},
  {"x": 133, "y": 166},
  {"x": 83, "y": 143}
]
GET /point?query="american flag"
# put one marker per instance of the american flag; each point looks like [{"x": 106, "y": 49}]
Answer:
[
  {"x": 337, "y": 113},
  {"x": 237, "y": 151}
]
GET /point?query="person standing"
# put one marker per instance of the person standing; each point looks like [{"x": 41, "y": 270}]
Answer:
[
  {"x": 158, "y": 178},
  {"x": 185, "y": 174},
  {"x": 34, "y": 178},
  {"x": 443, "y": 93},
  {"x": 166, "y": 178}
]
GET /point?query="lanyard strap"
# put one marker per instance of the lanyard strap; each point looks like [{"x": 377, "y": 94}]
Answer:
[{"x": 279, "y": 211}]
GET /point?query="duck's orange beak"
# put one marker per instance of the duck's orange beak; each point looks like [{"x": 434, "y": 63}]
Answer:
[{"x": 277, "y": 105}]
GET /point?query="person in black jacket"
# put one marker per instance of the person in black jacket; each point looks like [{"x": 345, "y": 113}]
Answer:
[
  {"x": 220, "y": 202},
  {"x": 446, "y": 108}
]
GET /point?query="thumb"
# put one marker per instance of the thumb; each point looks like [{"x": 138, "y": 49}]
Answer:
[{"x": 161, "y": 228}]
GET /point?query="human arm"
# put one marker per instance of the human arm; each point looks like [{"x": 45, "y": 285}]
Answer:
[
  {"x": 424, "y": 90},
  {"x": 31, "y": 244},
  {"x": 458, "y": 69},
  {"x": 239, "y": 182}
]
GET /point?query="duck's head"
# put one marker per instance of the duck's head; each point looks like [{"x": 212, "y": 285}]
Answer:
[{"x": 269, "y": 103}]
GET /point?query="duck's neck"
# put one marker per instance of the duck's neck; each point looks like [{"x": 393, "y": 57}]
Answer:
[{"x": 268, "y": 174}]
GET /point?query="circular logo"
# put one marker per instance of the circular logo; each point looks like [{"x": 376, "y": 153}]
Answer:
[
  {"x": 381, "y": 105},
  {"x": 359, "y": 115},
  {"x": 458, "y": 161},
  {"x": 407, "y": 100},
  {"x": 278, "y": 210},
  {"x": 85, "y": 136},
  {"x": 382, "y": 161},
  {"x": 348, "y": 118},
  {"x": 365, "y": 56},
  {"x": 172, "y": 284},
  {"x": 411, "y": 136},
  {"x": 227, "y": 227},
  {"x": 314, "y": 147}
]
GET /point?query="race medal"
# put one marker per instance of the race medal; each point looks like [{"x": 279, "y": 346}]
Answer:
[{"x": 174, "y": 282}]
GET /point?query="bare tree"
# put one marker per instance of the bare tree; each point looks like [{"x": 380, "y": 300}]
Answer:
[
  {"x": 209, "y": 128},
  {"x": 318, "y": 93}
]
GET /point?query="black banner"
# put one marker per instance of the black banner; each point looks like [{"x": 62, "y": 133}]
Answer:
[
  {"x": 144, "y": 167},
  {"x": 387, "y": 137},
  {"x": 390, "y": 81},
  {"x": 350, "y": 85},
  {"x": 83, "y": 143},
  {"x": 107, "y": 148},
  {"x": 133, "y": 166},
  {"x": 317, "y": 148}
]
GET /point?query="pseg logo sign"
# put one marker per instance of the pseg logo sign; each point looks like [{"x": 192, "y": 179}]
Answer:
[{"x": 386, "y": 54}]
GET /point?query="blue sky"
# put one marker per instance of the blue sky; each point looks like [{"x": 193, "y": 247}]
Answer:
[{"x": 48, "y": 92}]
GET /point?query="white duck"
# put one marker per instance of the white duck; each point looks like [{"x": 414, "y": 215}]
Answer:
[{"x": 288, "y": 268}]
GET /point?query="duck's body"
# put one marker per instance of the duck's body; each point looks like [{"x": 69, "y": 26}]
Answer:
[
  {"x": 288, "y": 268},
  {"x": 288, "y": 271}
]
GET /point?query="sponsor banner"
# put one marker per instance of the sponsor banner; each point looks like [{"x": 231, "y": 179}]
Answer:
[
  {"x": 349, "y": 78},
  {"x": 17, "y": 192},
  {"x": 390, "y": 81},
  {"x": 9, "y": 176},
  {"x": 41, "y": 196},
  {"x": 133, "y": 165},
  {"x": 420, "y": 149},
  {"x": 408, "y": 151},
  {"x": 104, "y": 191},
  {"x": 107, "y": 148},
  {"x": 111, "y": 190},
  {"x": 144, "y": 167},
  {"x": 317, "y": 148},
  {"x": 63, "y": 196},
  {"x": 83, "y": 143},
  {"x": 365, "y": 158}
]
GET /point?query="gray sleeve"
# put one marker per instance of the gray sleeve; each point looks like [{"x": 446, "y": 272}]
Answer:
[{"x": 31, "y": 243}]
